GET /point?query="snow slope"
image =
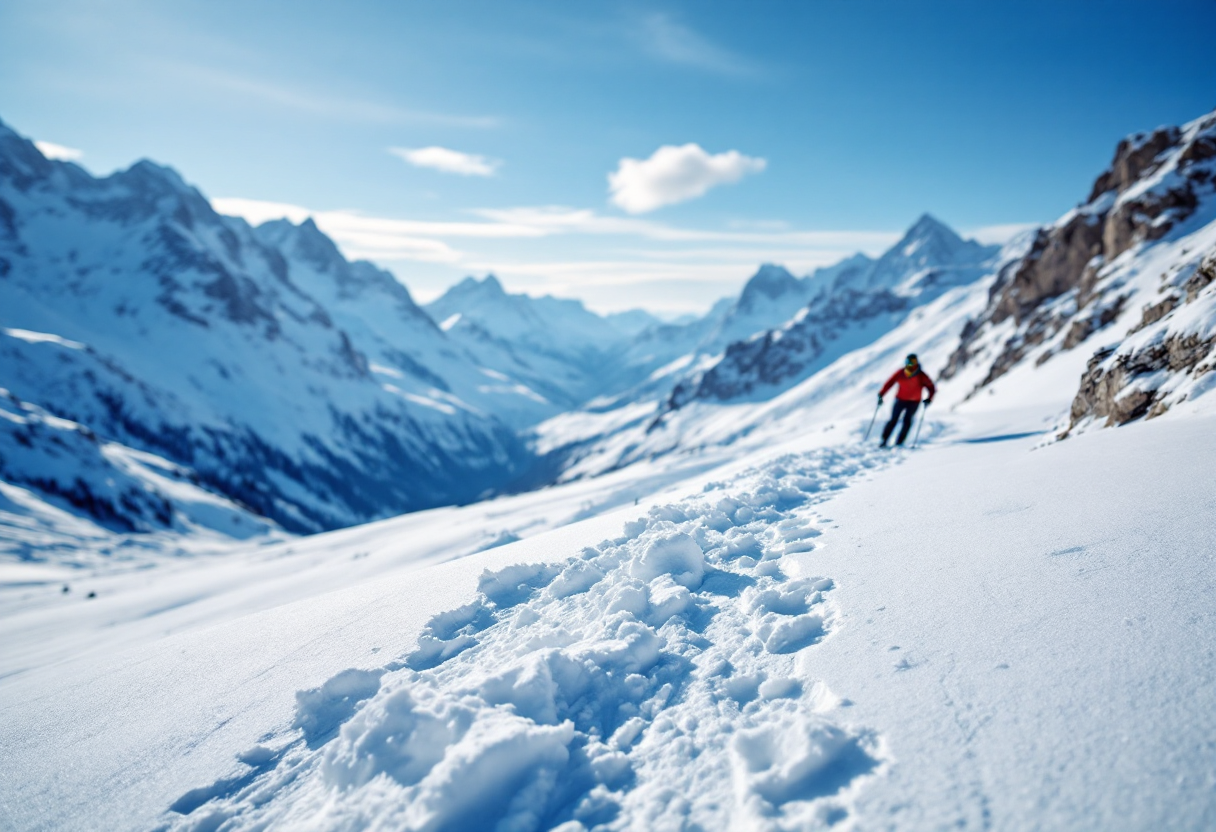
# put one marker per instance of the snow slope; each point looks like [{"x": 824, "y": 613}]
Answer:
[{"x": 807, "y": 637}]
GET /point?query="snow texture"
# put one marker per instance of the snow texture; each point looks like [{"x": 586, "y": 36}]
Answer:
[{"x": 648, "y": 682}]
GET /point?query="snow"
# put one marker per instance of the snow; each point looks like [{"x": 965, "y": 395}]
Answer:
[
  {"x": 758, "y": 648},
  {"x": 43, "y": 338}
]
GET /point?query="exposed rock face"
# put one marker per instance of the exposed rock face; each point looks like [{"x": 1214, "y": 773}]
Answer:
[
  {"x": 1154, "y": 186},
  {"x": 1113, "y": 386},
  {"x": 1203, "y": 277},
  {"x": 774, "y": 357},
  {"x": 1056, "y": 261},
  {"x": 1135, "y": 156}
]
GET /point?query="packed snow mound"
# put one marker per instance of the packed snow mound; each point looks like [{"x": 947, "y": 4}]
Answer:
[
  {"x": 1117, "y": 292},
  {"x": 648, "y": 682}
]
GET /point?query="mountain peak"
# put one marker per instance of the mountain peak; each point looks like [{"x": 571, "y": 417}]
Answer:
[
  {"x": 770, "y": 280},
  {"x": 20, "y": 161},
  {"x": 146, "y": 174},
  {"x": 929, "y": 244},
  {"x": 488, "y": 287},
  {"x": 306, "y": 240},
  {"x": 928, "y": 226}
]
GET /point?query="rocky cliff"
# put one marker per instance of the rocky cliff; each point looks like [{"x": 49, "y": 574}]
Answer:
[{"x": 1126, "y": 275}]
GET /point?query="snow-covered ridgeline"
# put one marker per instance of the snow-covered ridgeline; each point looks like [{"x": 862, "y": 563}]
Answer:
[
  {"x": 841, "y": 308},
  {"x": 829, "y": 401},
  {"x": 259, "y": 363}
]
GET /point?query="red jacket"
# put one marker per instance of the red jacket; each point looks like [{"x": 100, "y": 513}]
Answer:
[{"x": 910, "y": 386}]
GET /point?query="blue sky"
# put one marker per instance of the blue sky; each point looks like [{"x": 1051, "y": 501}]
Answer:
[{"x": 450, "y": 138}]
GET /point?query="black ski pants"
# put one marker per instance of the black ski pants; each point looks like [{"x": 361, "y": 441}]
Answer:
[{"x": 908, "y": 411}]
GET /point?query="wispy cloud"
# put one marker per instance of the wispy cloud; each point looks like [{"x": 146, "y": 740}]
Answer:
[
  {"x": 447, "y": 160},
  {"x": 57, "y": 151},
  {"x": 673, "y": 42},
  {"x": 585, "y": 254},
  {"x": 556, "y": 219},
  {"x": 359, "y": 236},
  {"x": 549, "y": 221},
  {"x": 675, "y": 174},
  {"x": 319, "y": 103}
]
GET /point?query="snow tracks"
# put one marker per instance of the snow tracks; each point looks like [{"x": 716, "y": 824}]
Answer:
[{"x": 647, "y": 683}]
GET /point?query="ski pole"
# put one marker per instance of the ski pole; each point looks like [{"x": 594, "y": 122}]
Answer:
[
  {"x": 916, "y": 439},
  {"x": 872, "y": 418}
]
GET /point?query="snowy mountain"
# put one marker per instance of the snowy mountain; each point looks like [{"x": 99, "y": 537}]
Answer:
[
  {"x": 930, "y": 256},
  {"x": 771, "y": 296},
  {"x": 554, "y": 346},
  {"x": 633, "y": 321},
  {"x": 849, "y": 305},
  {"x": 835, "y": 311},
  {"x": 1117, "y": 292},
  {"x": 257, "y": 365}
]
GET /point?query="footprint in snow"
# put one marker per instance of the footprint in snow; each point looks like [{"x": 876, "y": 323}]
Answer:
[{"x": 647, "y": 681}]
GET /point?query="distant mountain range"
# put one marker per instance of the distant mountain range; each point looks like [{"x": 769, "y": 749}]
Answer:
[{"x": 166, "y": 367}]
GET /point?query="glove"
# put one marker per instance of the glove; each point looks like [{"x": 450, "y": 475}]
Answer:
[
  {"x": 928, "y": 401},
  {"x": 880, "y": 398}
]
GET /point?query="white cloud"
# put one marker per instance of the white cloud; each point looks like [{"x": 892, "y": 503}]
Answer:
[
  {"x": 257, "y": 211},
  {"x": 448, "y": 161},
  {"x": 57, "y": 151},
  {"x": 675, "y": 174},
  {"x": 548, "y": 221},
  {"x": 555, "y": 219}
]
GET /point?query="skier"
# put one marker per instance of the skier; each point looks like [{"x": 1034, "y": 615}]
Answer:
[{"x": 911, "y": 380}]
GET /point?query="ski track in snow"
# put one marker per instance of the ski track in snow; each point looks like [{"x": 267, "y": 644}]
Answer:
[{"x": 647, "y": 683}]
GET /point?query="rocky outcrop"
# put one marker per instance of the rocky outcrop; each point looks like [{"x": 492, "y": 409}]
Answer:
[
  {"x": 1155, "y": 183},
  {"x": 1135, "y": 156},
  {"x": 1142, "y": 376},
  {"x": 1202, "y": 278},
  {"x": 1057, "y": 260},
  {"x": 1120, "y": 388}
]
